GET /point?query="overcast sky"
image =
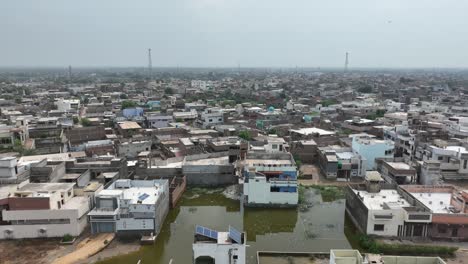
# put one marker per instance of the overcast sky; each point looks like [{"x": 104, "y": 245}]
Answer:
[{"x": 225, "y": 33}]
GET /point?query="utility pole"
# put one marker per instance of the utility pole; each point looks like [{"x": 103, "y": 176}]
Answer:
[{"x": 150, "y": 65}]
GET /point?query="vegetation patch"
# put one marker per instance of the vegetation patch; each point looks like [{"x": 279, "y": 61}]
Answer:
[
  {"x": 330, "y": 193},
  {"x": 369, "y": 244}
]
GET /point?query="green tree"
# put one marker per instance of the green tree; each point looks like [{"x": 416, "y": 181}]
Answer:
[
  {"x": 168, "y": 90},
  {"x": 76, "y": 120},
  {"x": 128, "y": 104},
  {"x": 85, "y": 122},
  {"x": 123, "y": 96},
  {"x": 245, "y": 135}
]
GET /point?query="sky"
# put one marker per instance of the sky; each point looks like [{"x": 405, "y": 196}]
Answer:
[{"x": 228, "y": 33}]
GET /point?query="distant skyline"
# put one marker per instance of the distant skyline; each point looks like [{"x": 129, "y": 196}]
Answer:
[{"x": 228, "y": 33}]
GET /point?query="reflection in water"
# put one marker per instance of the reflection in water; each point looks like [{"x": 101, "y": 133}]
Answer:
[{"x": 314, "y": 227}]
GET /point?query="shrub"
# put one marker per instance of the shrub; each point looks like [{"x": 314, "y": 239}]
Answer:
[
  {"x": 370, "y": 245},
  {"x": 67, "y": 238}
]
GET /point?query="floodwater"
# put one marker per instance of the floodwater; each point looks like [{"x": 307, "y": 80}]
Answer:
[{"x": 313, "y": 227}]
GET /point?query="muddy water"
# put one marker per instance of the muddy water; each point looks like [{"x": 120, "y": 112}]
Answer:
[{"x": 314, "y": 227}]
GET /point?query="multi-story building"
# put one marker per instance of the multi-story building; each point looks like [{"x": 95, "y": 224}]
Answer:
[
  {"x": 341, "y": 163},
  {"x": 211, "y": 117},
  {"x": 371, "y": 148},
  {"x": 64, "y": 105},
  {"x": 211, "y": 246},
  {"x": 37, "y": 210},
  {"x": 131, "y": 207},
  {"x": 448, "y": 205},
  {"x": 270, "y": 179},
  {"x": 453, "y": 161},
  {"x": 395, "y": 171},
  {"x": 159, "y": 120},
  {"x": 386, "y": 210}
]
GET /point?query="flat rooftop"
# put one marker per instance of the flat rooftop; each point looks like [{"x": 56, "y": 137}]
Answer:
[
  {"x": 385, "y": 199},
  {"x": 437, "y": 202},
  {"x": 313, "y": 130},
  {"x": 399, "y": 165},
  {"x": 46, "y": 187},
  {"x": 211, "y": 161}
]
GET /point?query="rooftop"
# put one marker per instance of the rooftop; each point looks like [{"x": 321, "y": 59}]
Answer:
[
  {"x": 383, "y": 200},
  {"x": 313, "y": 130},
  {"x": 129, "y": 125}
]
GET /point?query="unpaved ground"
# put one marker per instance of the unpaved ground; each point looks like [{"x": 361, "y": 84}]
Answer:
[
  {"x": 86, "y": 248},
  {"x": 115, "y": 248},
  {"x": 27, "y": 251},
  {"x": 461, "y": 257},
  {"x": 47, "y": 251}
]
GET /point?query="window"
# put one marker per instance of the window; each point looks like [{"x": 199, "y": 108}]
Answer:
[
  {"x": 219, "y": 119},
  {"x": 379, "y": 227},
  {"x": 440, "y": 158},
  {"x": 465, "y": 164},
  {"x": 234, "y": 257},
  {"x": 274, "y": 146},
  {"x": 210, "y": 120}
]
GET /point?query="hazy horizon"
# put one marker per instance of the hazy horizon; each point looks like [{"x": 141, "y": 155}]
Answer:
[{"x": 386, "y": 34}]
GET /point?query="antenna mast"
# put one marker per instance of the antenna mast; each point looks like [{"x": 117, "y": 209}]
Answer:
[
  {"x": 346, "y": 62},
  {"x": 150, "y": 65}
]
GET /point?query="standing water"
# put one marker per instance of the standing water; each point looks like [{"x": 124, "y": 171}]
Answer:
[{"x": 313, "y": 227}]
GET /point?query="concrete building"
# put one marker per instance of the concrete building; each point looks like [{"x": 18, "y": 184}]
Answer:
[
  {"x": 211, "y": 246},
  {"x": 269, "y": 179},
  {"x": 371, "y": 148},
  {"x": 341, "y": 163},
  {"x": 448, "y": 205},
  {"x": 387, "y": 210},
  {"x": 10, "y": 172},
  {"x": 65, "y": 106},
  {"x": 132, "y": 149},
  {"x": 39, "y": 210},
  {"x": 131, "y": 208},
  {"x": 453, "y": 161},
  {"x": 211, "y": 117},
  {"x": 159, "y": 120},
  {"x": 394, "y": 171}
]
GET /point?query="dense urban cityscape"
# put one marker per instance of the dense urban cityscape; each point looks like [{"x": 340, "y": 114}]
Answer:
[
  {"x": 233, "y": 132},
  {"x": 233, "y": 165}
]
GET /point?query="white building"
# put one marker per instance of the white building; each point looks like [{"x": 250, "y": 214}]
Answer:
[
  {"x": 9, "y": 170},
  {"x": 270, "y": 179},
  {"x": 38, "y": 210},
  {"x": 131, "y": 207},
  {"x": 386, "y": 211},
  {"x": 159, "y": 121},
  {"x": 211, "y": 246},
  {"x": 211, "y": 117},
  {"x": 67, "y": 105},
  {"x": 371, "y": 148},
  {"x": 202, "y": 85}
]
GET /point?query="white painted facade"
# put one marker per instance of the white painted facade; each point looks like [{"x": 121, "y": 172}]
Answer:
[
  {"x": 258, "y": 190},
  {"x": 66, "y": 105},
  {"x": 211, "y": 117},
  {"x": 66, "y": 213},
  {"x": 131, "y": 206},
  {"x": 222, "y": 251},
  {"x": 370, "y": 149}
]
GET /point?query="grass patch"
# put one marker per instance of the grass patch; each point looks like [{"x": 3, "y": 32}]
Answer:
[
  {"x": 301, "y": 193},
  {"x": 330, "y": 193}
]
